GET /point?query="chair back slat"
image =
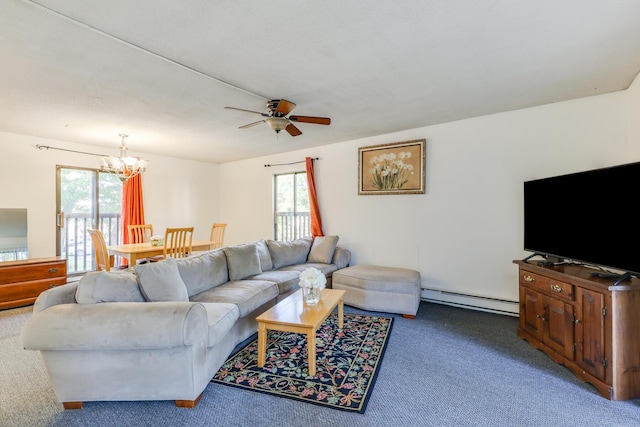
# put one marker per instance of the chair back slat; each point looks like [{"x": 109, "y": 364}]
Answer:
[
  {"x": 140, "y": 233},
  {"x": 177, "y": 242},
  {"x": 217, "y": 235}
]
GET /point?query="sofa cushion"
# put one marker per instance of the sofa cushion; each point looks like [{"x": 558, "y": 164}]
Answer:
[
  {"x": 161, "y": 281},
  {"x": 265, "y": 257},
  {"x": 106, "y": 286},
  {"x": 243, "y": 261},
  {"x": 322, "y": 249},
  {"x": 248, "y": 295},
  {"x": 286, "y": 280},
  {"x": 203, "y": 271},
  {"x": 220, "y": 319},
  {"x": 288, "y": 253}
]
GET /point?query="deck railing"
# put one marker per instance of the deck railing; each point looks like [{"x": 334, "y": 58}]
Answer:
[
  {"x": 77, "y": 247},
  {"x": 292, "y": 225}
]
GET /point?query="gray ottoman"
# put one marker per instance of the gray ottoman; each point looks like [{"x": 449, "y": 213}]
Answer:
[{"x": 386, "y": 289}]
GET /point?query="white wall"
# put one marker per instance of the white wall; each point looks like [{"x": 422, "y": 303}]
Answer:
[
  {"x": 176, "y": 192},
  {"x": 463, "y": 234},
  {"x": 633, "y": 116}
]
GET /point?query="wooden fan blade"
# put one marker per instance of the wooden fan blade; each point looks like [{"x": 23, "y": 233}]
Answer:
[
  {"x": 307, "y": 119},
  {"x": 247, "y": 111},
  {"x": 293, "y": 131},
  {"x": 285, "y": 107},
  {"x": 251, "y": 124}
]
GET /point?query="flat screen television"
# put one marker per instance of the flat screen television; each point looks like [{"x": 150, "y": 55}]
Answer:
[{"x": 588, "y": 217}]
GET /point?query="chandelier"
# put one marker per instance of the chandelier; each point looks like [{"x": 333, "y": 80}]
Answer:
[{"x": 124, "y": 166}]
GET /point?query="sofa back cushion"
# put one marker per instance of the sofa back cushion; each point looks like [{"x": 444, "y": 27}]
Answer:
[
  {"x": 242, "y": 260},
  {"x": 289, "y": 253},
  {"x": 161, "y": 281},
  {"x": 322, "y": 249},
  {"x": 204, "y": 271},
  {"x": 265, "y": 257},
  {"x": 108, "y": 286}
]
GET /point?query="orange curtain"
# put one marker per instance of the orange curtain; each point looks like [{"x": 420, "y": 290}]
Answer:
[
  {"x": 132, "y": 206},
  {"x": 316, "y": 221}
]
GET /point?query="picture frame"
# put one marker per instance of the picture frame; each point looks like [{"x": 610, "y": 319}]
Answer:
[{"x": 396, "y": 168}]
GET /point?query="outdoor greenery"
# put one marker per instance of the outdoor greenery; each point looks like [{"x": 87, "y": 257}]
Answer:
[
  {"x": 77, "y": 192},
  {"x": 292, "y": 194}
]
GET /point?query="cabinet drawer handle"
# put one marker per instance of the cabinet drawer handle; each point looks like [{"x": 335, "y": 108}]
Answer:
[
  {"x": 528, "y": 279},
  {"x": 53, "y": 270},
  {"x": 556, "y": 288}
]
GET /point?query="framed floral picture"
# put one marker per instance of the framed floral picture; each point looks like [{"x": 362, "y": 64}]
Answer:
[{"x": 397, "y": 168}]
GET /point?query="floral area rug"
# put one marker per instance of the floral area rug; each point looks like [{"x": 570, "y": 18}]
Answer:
[{"x": 347, "y": 363}]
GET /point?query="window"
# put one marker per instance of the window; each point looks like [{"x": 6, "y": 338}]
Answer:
[
  {"x": 86, "y": 198},
  {"x": 291, "y": 206}
]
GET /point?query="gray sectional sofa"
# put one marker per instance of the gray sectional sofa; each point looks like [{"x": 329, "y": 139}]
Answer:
[{"x": 161, "y": 331}]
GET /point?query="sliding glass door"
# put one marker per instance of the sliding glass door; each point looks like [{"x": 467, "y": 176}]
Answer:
[{"x": 86, "y": 198}]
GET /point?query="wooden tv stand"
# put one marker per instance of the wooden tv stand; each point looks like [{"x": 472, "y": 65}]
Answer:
[
  {"x": 22, "y": 281},
  {"x": 584, "y": 323}
]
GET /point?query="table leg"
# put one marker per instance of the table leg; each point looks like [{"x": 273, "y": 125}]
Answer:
[
  {"x": 341, "y": 313},
  {"x": 311, "y": 351},
  {"x": 262, "y": 344}
]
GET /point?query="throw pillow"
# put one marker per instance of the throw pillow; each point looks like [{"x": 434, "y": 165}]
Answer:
[
  {"x": 322, "y": 249},
  {"x": 103, "y": 286},
  {"x": 265, "y": 256},
  {"x": 243, "y": 261},
  {"x": 289, "y": 253},
  {"x": 161, "y": 281}
]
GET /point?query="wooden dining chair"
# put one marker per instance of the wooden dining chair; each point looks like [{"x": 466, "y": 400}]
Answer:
[
  {"x": 140, "y": 233},
  {"x": 177, "y": 242},
  {"x": 217, "y": 235},
  {"x": 104, "y": 261}
]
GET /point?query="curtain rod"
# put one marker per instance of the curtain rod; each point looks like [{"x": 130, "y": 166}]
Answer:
[
  {"x": 292, "y": 163},
  {"x": 46, "y": 147}
]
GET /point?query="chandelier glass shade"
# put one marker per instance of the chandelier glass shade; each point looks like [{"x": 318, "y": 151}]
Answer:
[
  {"x": 124, "y": 166},
  {"x": 277, "y": 123}
]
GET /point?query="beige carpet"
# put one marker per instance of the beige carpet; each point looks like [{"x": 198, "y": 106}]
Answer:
[{"x": 24, "y": 383}]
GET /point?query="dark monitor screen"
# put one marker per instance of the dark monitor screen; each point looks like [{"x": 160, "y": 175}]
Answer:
[{"x": 587, "y": 216}]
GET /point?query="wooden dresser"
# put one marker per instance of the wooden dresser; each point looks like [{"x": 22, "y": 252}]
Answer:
[
  {"x": 583, "y": 322},
  {"x": 22, "y": 281}
]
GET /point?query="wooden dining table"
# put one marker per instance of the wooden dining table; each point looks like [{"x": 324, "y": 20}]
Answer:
[{"x": 136, "y": 251}]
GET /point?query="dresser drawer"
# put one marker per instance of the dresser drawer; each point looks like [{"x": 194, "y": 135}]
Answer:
[
  {"x": 547, "y": 285},
  {"x": 49, "y": 270},
  {"x": 28, "y": 290},
  {"x": 22, "y": 281}
]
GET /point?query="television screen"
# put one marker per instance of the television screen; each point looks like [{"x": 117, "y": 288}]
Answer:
[{"x": 588, "y": 217}]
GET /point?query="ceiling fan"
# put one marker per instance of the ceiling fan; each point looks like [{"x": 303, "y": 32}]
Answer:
[{"x": 277, "y": 118}]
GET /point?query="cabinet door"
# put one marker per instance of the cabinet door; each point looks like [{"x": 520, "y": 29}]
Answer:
[
  {"x": 590, "y": 335},
  {"x": 558, "y": 326},
  {"x": 531, "y": 312}
]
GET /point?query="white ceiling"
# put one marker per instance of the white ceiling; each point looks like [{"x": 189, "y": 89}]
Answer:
[{"x": 86, "y": 70}]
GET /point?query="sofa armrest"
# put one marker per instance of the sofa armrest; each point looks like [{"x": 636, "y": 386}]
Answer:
[
  {"x": 65, "y": 294},
  {"x": 341, "y": 257},
  {"x": 116, "y": 326}
]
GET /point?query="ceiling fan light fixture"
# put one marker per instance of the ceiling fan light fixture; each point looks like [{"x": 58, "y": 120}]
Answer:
[{"x": 277, "y": 123}]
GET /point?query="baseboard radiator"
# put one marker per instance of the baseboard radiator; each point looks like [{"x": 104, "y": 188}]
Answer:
[{"x": 473, "y": 302}]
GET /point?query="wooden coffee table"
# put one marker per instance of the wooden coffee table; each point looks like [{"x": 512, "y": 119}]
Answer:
[{"x": 293, "y": 315}]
